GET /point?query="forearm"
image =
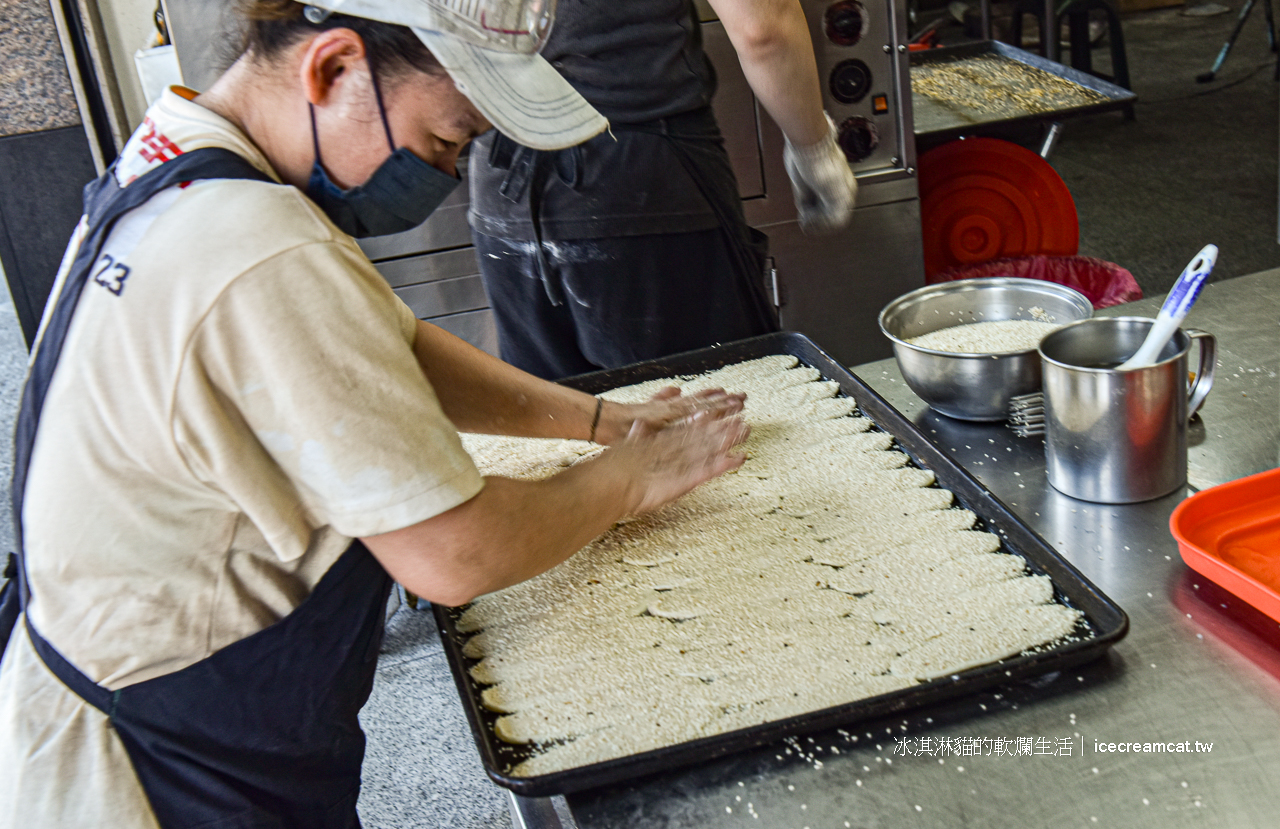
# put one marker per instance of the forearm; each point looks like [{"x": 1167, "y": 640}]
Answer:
[
  {"x": 772, "y": 40},
  {"x": 514, "y": 530},
  {"x": 480, "y": 393},
  {"x": 510, "y": 532}
]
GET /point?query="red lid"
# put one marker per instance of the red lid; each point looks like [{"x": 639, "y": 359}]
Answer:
[{"x": 983, "y": 198}]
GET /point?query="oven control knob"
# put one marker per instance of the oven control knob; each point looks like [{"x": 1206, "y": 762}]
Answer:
[
  {"x": 858, "y": 137},
  {"x": 850, "y": 81},
  {"x": 846, "y": 22}
]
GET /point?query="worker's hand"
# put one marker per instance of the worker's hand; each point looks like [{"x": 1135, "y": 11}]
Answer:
[
  {"x": 663, "y": 464},
  {"x": 823, "y": 183},
  {"x": 664, "y": 408}
]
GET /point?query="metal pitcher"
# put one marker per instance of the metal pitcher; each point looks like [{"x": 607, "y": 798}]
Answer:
[{"x": 1118, "y": 437}]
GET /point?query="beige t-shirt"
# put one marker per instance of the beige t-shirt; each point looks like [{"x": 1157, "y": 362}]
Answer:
[{"x": 237, "y": 398}]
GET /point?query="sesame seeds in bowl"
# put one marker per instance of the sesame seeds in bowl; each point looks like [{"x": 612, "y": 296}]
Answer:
[{"x": 956, "y": 360}]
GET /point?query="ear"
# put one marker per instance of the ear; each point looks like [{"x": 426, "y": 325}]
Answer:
[{"x": 326, "y": 59}]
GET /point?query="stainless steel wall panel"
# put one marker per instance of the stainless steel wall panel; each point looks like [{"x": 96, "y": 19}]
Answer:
[
  {"x": 833, "y": 291},
  {"x": 442, "y": 265},
  {"x": 444, "y": 296}
]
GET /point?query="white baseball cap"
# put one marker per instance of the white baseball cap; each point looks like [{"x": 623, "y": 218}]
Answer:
[{"x": 490, "y": 50}]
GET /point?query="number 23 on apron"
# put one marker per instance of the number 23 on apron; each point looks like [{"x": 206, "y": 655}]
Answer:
[{"x": 264, "y": 733}]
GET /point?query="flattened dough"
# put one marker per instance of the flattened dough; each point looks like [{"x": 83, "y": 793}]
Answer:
[{"x": 826, "y": 570}]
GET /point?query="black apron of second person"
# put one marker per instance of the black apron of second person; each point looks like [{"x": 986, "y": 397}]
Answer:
[
  {"x": 264, "y": 733},
  {"x": 605, "y": 302}
]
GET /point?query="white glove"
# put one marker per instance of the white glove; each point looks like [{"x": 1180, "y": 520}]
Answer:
[{"x": 822, "y": 181}]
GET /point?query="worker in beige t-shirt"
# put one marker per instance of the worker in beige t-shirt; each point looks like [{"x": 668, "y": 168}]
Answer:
[{"x": 239, "y": 395}]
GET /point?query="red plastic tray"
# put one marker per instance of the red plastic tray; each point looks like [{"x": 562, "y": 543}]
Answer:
[{"x": 1230, "y": 534}]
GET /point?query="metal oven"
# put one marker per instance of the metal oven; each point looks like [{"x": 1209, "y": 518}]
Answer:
[{"x": 830, "y": 287}]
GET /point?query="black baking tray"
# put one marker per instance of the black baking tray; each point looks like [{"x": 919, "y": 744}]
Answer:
[
  {"x": 1104, "y": 622},
  {"x": 937, "y": 121}
]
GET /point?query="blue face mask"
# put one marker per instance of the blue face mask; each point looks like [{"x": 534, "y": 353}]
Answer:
[{"x": 399, "y": 196}]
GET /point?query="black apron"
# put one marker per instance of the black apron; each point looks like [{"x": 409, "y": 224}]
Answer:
[
  {"x": 696, "y": 141},
  {"x": 264, "y": 733}
]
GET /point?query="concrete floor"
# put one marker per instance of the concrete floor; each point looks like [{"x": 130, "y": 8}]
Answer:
[
  {"x": 422, "y": 769},
  {"x": 1198, "y": 165}
]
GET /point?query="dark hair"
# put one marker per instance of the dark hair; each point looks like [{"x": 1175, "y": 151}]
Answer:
[{"x": 272, "y": 26}]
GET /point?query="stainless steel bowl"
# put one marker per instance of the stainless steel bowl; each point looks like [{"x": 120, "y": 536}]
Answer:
[{"x": 974, "y": 386}]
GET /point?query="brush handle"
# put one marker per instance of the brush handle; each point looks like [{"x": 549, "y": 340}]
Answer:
[
  {"x": 1184, "y": 294},
  {"x": 1187, "y": 289}
]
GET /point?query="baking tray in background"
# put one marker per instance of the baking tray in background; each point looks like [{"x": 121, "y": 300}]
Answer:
[
  {"x": 1230, "y": 534},
  {"x": 994, "y": 70},
  {"x": 1104, "y": 623}
]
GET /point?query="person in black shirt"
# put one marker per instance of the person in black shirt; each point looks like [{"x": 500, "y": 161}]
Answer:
[{"x": 633, "y": 245}]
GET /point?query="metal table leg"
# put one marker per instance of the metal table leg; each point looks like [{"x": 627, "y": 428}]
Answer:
[
  {"x": 536, "y": 813},
  {"x": 1051, "y": 134},
  {"x": 1049, "y": 37}
]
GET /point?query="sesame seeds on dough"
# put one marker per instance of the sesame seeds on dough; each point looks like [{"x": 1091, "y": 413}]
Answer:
[
  {"x": 776, "y": 404},
  {"x": 975, "y": 645},
  {"x": 990, "y": 337},
  {"x": 778, "y": 436},
  {"x": 526, "y": 458},
  {"x": 827, "y": 569}
]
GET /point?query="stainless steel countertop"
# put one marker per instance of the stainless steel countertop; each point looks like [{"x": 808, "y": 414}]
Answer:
[{"x": 1197, "y": 667}]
